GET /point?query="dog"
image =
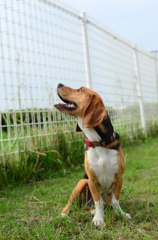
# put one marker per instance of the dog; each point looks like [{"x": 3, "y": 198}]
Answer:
[{"x": 104, "y": 160}]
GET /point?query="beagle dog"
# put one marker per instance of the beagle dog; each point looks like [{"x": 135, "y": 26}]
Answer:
[{"x": 104, "y": 159}]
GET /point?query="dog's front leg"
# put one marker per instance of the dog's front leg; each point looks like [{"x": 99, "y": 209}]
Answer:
[
  {"x": 98, "y": 218},
  {"x": 115, "y": 199}
]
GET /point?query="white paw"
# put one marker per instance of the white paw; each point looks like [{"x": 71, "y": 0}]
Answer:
[
  {"x": 98, "y": 219},
  {"x": 63, "y": 214},
  {"x": 93, "y": 211},
  {"x": 128, "y": 216}
]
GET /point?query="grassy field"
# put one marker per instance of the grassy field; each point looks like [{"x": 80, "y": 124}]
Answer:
[{"x": 32, "y": 211}]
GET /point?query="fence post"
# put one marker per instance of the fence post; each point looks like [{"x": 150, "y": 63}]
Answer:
[
  {"x": 156, "y": 72},
  {"x": 140, "y": 98},
  {"x": 2, "y": 145},
  {"x": 86, "y": 50}
]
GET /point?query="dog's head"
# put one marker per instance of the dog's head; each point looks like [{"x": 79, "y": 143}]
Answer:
[{"x": 83, "y": 103}]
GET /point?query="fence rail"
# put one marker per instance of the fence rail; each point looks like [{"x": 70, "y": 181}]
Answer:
[{"x": 44, "y": 43}]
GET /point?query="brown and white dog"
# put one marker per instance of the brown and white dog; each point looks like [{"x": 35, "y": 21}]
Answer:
[{"x": 104, "y": 159}]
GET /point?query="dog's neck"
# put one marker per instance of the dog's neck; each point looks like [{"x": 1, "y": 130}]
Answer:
[
  {"x": 90, "y": 133},
  {"x": 99, "y": 132},
  {"x": 105, "y": 128}
]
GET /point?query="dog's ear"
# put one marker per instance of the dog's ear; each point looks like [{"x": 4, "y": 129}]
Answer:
[
  {"x": 78, "y": 129},
  {"x": 94, "y": 112}
]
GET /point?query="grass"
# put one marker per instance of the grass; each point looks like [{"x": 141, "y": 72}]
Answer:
[
  {"x": 32, "y": 211},
  {"x": 43, "y": 156},
  {"x": 65, "y": 152}
]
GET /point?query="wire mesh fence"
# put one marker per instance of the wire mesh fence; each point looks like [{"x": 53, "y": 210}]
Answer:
[{"x": 44, "y": 43}]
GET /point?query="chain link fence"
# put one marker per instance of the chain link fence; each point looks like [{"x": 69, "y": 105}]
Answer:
[{"x": 46, "y": 42}]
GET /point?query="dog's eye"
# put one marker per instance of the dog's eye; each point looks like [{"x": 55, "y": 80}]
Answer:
[{"x": 80, "y": 90}]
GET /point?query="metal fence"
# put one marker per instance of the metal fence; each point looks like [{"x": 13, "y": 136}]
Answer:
[{"x": 45, "y": 42}]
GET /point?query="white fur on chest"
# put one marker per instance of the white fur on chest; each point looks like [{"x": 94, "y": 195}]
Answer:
[
  {"x": 103, "y": 161},
  {"x": 105, "y": 165}
]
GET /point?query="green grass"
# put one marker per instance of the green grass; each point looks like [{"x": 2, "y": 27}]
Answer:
[
  {"x": 32, "y": 211},
  {"x": 44, "y": 156},
  {"x": 65, "y": 152}
]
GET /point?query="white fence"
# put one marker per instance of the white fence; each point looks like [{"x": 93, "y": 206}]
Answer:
[{"x": 44, "y": 43}]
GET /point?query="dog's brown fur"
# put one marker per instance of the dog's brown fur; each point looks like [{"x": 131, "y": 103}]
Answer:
[{"x": 91, "y": 109}]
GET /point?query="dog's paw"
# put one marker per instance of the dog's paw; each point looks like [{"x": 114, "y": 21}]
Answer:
[
  {"x": 63, "y": 214},
  {"x": 128, "y": 216},
  {"x": 98, "y": 219}
]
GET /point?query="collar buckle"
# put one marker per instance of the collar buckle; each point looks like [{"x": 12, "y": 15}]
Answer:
[{"x": 102, "y": 143}]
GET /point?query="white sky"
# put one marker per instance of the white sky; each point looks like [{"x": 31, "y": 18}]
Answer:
[{"x": 136, "y": 20}]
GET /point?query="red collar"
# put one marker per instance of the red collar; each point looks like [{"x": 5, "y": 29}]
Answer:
[
  {"x": 88, "y": 142},
  {"x": 104, "y": 142}
]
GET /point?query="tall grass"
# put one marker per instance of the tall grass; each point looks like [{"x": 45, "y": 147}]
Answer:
[{"x": 65, "y": 152}]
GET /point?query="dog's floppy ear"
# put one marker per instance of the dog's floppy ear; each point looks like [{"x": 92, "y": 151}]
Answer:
[
  {"x": 78, "y": 129},
  {"x": 94, "y": 112}
]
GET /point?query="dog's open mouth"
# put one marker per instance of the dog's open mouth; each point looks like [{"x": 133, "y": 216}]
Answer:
[{"x": 68, "y": 105}]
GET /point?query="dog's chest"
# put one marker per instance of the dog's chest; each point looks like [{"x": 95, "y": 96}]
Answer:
[
  {"x": 105, "y": 165},
  {"x": 103, "y": 161}
]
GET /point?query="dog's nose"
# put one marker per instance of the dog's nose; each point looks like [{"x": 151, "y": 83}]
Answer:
[{"x": 60, "y": 85}]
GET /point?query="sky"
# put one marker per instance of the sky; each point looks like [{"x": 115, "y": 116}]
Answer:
[{"x": 135, "y": 20}]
